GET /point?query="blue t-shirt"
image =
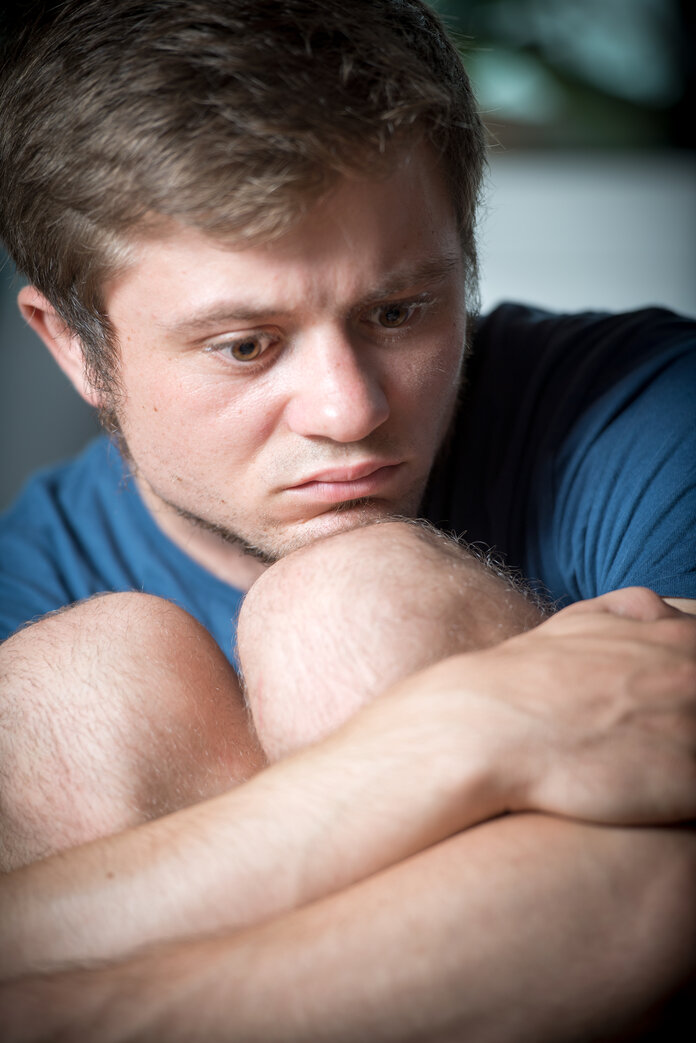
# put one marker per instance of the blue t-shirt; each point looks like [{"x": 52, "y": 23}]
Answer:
[
  {"x": 81, "y": 529},
  {"x": 573, "y": 455},
  {"x": 574, "y": 452}
]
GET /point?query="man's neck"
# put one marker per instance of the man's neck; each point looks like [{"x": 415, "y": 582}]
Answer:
[{"x": 228, "y": 562}]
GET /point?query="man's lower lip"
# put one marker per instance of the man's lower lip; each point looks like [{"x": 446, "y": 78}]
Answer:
[{"x": 338, "y": 492}]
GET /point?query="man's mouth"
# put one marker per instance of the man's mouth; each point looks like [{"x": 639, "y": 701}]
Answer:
[
  {"x": 336, "y": 484},
  {"x": 350, "y": 473}
]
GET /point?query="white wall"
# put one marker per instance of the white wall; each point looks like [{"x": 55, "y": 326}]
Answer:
[{"x": 590, "y": 231}]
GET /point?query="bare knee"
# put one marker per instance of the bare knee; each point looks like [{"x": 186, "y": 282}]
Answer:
[
  {"x": 113, "y": 711},
  {"x": 330, "y": 626}
]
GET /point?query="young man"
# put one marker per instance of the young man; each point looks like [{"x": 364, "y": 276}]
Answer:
[{"x": 260, "y": 270}]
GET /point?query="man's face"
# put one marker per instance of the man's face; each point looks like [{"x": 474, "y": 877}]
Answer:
[{"x": 290, "y": 390}]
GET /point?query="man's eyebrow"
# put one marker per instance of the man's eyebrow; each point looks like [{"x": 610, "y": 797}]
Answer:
[
  {"x": 426, "y": 272},
  {"x": 219, "y": 313}
]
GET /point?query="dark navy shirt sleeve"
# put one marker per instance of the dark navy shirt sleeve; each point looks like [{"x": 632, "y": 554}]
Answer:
[
  {"x": 574, "y": 450},
  {"x": 624, "y": 489}
]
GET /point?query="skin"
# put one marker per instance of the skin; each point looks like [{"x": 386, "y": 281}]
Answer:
[
  {"x": 503, "y": 918},
  {"x": 341, "y": 357},
  {"x": 342, "y": 380},
  {"x": 598, "y": 725},
  {"x": 353, "y": 614},
  {"x": 336, "y": 393}
]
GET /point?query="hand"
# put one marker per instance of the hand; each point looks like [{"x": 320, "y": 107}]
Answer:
[{"x": 590, "y": 715}]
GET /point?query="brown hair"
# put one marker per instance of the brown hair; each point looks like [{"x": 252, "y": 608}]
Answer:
[{"x": 229, "y": 115}]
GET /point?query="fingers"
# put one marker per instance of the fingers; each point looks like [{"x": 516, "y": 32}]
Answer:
[{"x": 630, "y": 602}]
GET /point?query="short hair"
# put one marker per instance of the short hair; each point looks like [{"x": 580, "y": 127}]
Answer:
[{"x": 230, "y": 116}]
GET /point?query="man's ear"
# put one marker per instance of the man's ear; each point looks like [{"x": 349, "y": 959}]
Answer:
[{"x": 63, "y": 345}]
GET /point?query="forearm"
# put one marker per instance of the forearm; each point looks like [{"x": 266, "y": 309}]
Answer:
[
  {"x": 445, "y": 749},
  {"x": 524, "y": 928},
  {"x": 450, "y": 747},
  {"x": 307, "y": 827}
]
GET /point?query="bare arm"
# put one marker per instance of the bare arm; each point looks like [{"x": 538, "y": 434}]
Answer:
[
  {"x": 468, "y": 739},
  {"x": 306, "y": 827},
  {"x": 524, "y": 928}
]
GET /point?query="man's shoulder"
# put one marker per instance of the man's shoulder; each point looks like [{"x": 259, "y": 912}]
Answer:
[
  {"x": 50, "y": 537},
  {"x": 520, "y": 331},
  {"x": 539, "y": 377},
  {"x": 55, "y": 493},
  {"x": 81, "y": 528},
  {"x": 565, "y": 425}
]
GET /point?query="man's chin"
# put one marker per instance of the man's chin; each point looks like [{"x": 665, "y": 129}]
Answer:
[
  {"x": 268, "y": 545},
  {"x": 348, "y": 515}
]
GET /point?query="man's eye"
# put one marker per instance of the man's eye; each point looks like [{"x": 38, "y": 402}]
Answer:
[
  {"x": 394, "y": 315},
  {"x": 245, "y": 348}
]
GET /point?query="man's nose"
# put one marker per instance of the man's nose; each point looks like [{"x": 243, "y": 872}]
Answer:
[{"x": 337, "y": 390}]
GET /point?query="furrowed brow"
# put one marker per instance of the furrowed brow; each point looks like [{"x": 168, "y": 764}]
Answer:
[
  {"x": 427, "y": 273},
  {"x": 215, "y": 315},
  {"x": 430, "y": 272}
]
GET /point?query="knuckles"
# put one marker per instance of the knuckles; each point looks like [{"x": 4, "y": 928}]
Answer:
[
  {"x": 637, "y": 602},
  {"x": 678, "y": 632}
]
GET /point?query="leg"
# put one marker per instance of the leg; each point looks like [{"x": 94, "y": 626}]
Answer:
[
  {"x": 114, "y": 711},
  {"x": 327, "y": 628}
]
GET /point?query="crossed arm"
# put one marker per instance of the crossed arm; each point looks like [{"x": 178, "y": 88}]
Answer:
[
  {"x": 526, "y": 928},
  {"x": 337, "y": 860}
]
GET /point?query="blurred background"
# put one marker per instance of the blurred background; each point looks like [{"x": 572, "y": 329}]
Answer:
[{"x": 590, "y": 201}]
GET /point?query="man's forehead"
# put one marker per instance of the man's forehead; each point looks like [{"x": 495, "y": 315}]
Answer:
[
  {"x": 369, "y": 239},
  {"x": 248, "y": 305}
]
